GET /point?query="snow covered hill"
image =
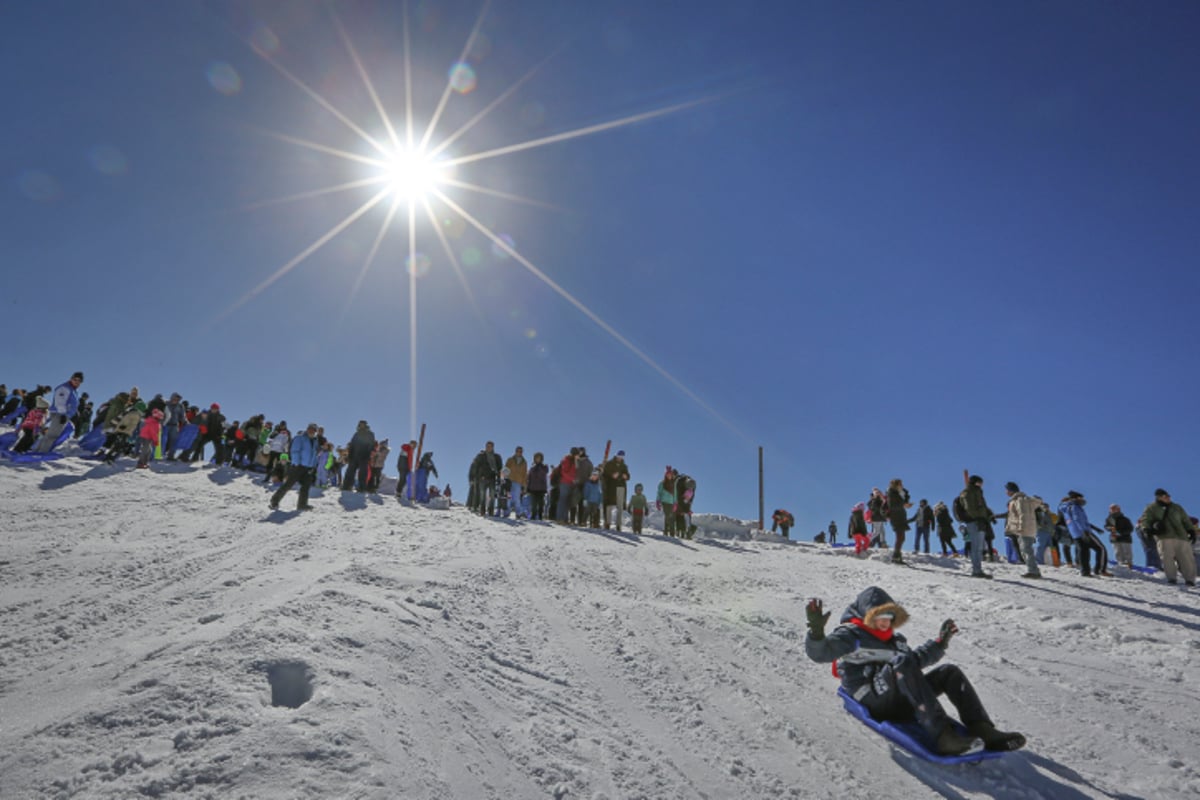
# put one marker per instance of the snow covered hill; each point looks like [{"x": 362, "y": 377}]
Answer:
[{"x": 158, "y": 625}]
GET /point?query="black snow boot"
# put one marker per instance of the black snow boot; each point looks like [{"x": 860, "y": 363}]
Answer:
[
  {"x": 952, "y": 743},
  {"x": 994, "y": 739}
]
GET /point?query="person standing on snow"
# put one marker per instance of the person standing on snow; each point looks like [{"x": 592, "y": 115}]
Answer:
[
  {"x": 880, "y": 671},
  {"x": 360, "y": 447},
  {"x": 63, "y": 406},
  {"x": 404, "y": 468},
  {"x": 1120, "y": 534},
  {"x": 518, "y": 473},
  {"x": 1071, "y": 510},
  {"x": 1020, "y": 521},
  {"x": 856, "y": 529},
  {"x": 538, "y": 484},
  {"x": 979, "y": 524},
  {"x": 877, "y": 518},
  {"x": 615, "y": 477},
  {"x": 898, "y": 505},
  {"x": 1175, "y": 532},
  {"x": 664, "y": 500},
  {"x": 302, "y": 468}
]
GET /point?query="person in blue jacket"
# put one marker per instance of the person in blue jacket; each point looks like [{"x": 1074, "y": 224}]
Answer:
[
  {"x": 885, "y": 675},
  {"x": 302, "y": 468},
  {"x": 63, "y": 406},
  {"x": 1072, "y": 513}
]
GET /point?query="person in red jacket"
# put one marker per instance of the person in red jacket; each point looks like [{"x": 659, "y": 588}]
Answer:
[{"x": 148, "y": 438}]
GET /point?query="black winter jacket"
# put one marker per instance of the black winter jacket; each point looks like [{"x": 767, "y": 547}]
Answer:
[{"x": 860, "y": 653}]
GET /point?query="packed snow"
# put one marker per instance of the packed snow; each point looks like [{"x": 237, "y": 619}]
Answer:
[{"x": 166, "y": 635}]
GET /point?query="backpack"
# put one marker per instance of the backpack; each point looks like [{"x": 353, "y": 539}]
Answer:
[{"x": 959, "y": 509}]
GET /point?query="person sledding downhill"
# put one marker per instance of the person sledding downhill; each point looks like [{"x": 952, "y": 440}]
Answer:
[{"x": 880, "y": 671}]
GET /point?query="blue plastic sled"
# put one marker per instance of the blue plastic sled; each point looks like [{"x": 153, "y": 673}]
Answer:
[
  {"x": 7, "y": 440},
  {"x": 187, "y": 437},
  {"x": 93, "y": 440},
  {"x": 909, "y": 735},
  {"x": 34, "y": 458}
]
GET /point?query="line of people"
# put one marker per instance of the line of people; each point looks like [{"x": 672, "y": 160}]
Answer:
[{"x": 1167, "y": 532}]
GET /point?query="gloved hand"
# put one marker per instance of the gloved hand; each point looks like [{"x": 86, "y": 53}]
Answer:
[
  {"x": 816, "y": 620},
  {"x": 948, "y": 630}
]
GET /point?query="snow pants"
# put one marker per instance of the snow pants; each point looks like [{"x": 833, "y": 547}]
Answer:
[
  {"x": 54, "y": 427},
  {"x": 900, "y": 692},
  {"x": 1177, "y": 557}
]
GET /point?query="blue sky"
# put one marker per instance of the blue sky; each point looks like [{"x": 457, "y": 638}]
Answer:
[{"x": 889, "y": 241}]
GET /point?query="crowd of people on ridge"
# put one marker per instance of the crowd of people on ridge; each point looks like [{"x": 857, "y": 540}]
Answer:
[
  {"x": 1033, "y": 529},
  {"x": 574, "y": 492}
]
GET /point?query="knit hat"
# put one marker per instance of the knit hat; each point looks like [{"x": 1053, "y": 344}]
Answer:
[
  {"x": 975, "y": 479},
  {"x": 42, "y": 402},
  {"x": 1012, "y": 487},
  {"x": 78, "y": 375},
  {"x": 215, "y": 407},
  {"x": 1161, "y": 492},
  {"x": 1074, "y": 494},
  {"x": 620, "y": 454}
]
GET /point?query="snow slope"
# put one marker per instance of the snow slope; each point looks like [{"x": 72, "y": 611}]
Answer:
[{"x": 145, "y": 614}]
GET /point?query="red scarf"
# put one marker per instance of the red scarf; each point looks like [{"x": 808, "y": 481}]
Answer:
[{"x": 883, "y": 636}]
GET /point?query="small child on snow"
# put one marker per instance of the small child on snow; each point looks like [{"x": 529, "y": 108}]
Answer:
[
  {"x": 593, "y": 496},
  {"x": 148, "y": 438},
  {"x": 32, "y": 425},
  {"x": 638, "y": 506}
]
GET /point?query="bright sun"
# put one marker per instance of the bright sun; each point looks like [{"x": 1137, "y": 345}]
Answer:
[{"x": 414, "y": 174}]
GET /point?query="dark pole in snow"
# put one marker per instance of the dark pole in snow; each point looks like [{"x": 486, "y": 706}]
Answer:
[{"x": 760, "y": 489}]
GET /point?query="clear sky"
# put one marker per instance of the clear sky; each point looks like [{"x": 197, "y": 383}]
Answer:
[{"x": 880, "y": 240}]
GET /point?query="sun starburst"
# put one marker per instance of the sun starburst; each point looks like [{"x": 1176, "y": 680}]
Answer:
[{"x": 413, "y": 171}]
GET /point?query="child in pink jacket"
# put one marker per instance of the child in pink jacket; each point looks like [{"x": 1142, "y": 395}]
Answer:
[
  {"x": 31, "y": 426},
  {"x": 148, "y": 438}
]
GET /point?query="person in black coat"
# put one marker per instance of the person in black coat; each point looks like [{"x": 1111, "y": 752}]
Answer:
[{"x": 360, "y": 447}]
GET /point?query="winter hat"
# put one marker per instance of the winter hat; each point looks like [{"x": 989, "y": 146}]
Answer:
[
  {"x": 1012, "y": 487},
  {"x": 857, "y": 507},
  {"x": 1161, "y": 493},
  {"x": 637, "y": 487},
  {"x": 894, "y": 610},
  {"x": 43, "y": 403},
  {"x": 620, "y": 454},
  {"x": 157, "y": 413},
  {"x": 1074, "y": 494},
  {"x": 78, "y": 375},
  {"x": 974, "y": 479},
  {"x": 215, "y": 407}
]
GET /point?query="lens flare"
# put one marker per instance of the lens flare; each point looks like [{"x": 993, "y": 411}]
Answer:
[
  {"x": 498, "y": 251},
  {"x": 471, "y": 257},
  {"x": 108, "y": 160},
  {"x": 418, "y": 265},
  {"x": 224, "y": 78},
  {"x": 39, "y": 186},
  {"x": 462, "y": 78}
]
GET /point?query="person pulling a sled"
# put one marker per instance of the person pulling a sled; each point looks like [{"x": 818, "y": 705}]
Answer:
[{"x": 885, "y": 675}]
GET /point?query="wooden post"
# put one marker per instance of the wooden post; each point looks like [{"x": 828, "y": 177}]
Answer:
[{"x": 761, "y": 521}]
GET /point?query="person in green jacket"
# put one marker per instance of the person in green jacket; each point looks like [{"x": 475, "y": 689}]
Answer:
[
  {"x": 665, "y": 500},
  {"x": 638, "y": 506},
  {"x": 1174, "y": 532}
]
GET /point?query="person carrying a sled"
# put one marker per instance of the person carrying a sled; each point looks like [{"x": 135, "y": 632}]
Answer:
[{"x": 885, "y": 675}]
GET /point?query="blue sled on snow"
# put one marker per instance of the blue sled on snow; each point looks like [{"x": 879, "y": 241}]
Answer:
[
  {"x": 909, "y": 736},
  {"x": 93, "y": 440},
  {"x": 6, "y": 445}
]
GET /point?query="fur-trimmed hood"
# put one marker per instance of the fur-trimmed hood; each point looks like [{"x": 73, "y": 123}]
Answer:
[{"x": 869, "y": 603}]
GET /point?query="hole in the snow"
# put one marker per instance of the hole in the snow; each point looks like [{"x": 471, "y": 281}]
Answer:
[{"x": 291, "y": 684}]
